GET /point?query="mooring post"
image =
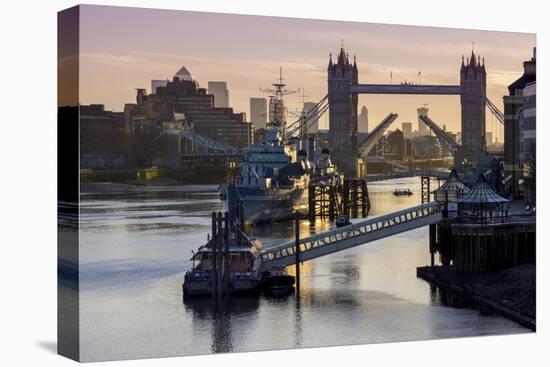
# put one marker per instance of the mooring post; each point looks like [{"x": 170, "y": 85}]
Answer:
[
  {"x": 363, "y": 198},
  {"x": 346, "y": 198},
  {"x": 312, "y": 201},
  {"x": 432, "y": 244},
  {"x": 237, "y": 225},
  {"x": 213, "y": 242},
  {"x": 226, "y": 255},
  {"x": 331, "y": 204},
  {"x": 297, "y": 253},
  {"x": 219, "y": 254}
]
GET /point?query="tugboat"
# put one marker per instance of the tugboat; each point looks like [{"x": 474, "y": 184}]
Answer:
[
  {"x": 402, "y": 192},
  {"x": 277, "y": 282}
]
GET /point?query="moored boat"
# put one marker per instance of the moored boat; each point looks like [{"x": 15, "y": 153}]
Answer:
[
  {"x": 209, "y": 275},
  {"x": 342, "y": 220},
  {"x": 277, "y": 281}
]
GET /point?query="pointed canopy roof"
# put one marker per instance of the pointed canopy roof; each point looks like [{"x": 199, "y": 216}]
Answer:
[
  {"x": 482, "y": 193},
  {"x": 451, "y": 189}
]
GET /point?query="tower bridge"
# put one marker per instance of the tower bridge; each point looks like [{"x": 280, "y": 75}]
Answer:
[
  {"x": 341, "y": 103},
  {"x": 344, "y": 88}
]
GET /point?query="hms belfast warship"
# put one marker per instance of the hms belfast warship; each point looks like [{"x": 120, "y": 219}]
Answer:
[{"x": 272, "y": 184}]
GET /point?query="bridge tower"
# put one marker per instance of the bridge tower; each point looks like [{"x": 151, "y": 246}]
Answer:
[
  {"x": 343, "y": 112},
  {"x": 473, "y": 84}
]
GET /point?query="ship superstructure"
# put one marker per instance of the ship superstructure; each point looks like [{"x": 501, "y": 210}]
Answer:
[{"x": 272, "y": 183}]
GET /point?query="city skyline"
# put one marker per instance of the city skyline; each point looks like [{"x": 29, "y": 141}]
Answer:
[{"x": 113, "y": 65}]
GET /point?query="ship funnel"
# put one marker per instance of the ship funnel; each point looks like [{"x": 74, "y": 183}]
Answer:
[{"x": 297, "y": 143}]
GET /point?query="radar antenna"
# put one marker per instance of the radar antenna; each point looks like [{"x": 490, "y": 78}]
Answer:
[{"x": 276, "y": 105}]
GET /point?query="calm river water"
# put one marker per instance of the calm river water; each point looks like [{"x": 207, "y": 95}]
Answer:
[{"x": 136, "y": 245}]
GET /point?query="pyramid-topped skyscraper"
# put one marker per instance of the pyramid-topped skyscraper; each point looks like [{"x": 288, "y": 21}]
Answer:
[{"x": 183, "y": 74}]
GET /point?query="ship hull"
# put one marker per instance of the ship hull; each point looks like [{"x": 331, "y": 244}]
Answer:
[
  {"x": 257, "y": 207},
  {"x": 204, "y": 287}
]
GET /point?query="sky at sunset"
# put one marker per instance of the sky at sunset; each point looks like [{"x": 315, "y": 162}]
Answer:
[{"x": 124, "y": 48}]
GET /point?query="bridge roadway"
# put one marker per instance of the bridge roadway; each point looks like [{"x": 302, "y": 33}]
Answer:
[
  {"x": 434, "y": 173},
  {"x": 355, "y": 234},
  {"x": 405, "y": 89}
]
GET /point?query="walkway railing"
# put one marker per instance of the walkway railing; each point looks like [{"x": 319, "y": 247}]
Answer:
[{"x": 352, "y": 235}]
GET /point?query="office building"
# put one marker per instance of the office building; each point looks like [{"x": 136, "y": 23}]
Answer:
[
  {"x": 407, "y": 128},
  {"x": 220, "y": 92},
  {"x": 426, "y": 147},
  {"x": 102, "y": 141},
  {"x": 313, "y": 124},
  {"x": 155, "y": 83},
  {"x": 363, "y": 120},
  {"x": 258, "y": 112},
  {"x": 422, "y": 128},
  {"x": 396, "y": 148},
  {"x": 183, "y": 102},
  {"x": 489, "y": 138},
  {"x": 518, "y": 122}
]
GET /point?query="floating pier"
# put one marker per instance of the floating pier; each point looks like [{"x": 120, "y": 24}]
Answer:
[{"x": 473, "y": 248}]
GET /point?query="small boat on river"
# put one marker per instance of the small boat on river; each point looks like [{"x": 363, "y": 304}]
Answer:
[
  {"x": 342, "y": 220},
  {"x": 277, "y": 281},
  {"x": 402, "y": 192}
]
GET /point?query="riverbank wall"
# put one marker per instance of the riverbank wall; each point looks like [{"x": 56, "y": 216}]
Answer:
[{"x": 510, "y": 293}]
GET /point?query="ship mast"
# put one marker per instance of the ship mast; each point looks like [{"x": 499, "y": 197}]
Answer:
[{"x": 276, "y": 105}]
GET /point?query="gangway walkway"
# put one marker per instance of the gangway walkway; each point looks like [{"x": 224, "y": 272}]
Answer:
[{"x": 355, "y": 234}]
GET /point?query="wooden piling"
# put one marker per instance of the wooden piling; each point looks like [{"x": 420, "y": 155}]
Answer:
[
  {"x": 332, "y": 204},
  {"x": 312, "y": 203},
  {"x": 346, "y": 197},
  {"x": 226, "y": 273},
  {"x": 433, "y": 244},
  {"x": 297, "y": 252},
  {"x": 365, "y": 200},
  {"x": 219, "y": 255},
  {"x": 213, "y": 242}
]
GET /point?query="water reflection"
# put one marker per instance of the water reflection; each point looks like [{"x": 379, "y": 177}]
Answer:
[
  {"x": 135, "y": 248},
  {"x": 297, "y": 323},
  {"x": 221, "y": 314}
]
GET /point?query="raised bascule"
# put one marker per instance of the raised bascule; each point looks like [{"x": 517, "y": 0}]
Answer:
[{"x": 344, "y": 88}]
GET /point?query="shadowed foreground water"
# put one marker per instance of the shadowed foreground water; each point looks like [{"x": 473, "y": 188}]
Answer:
[{"x": 135, "y": 247}]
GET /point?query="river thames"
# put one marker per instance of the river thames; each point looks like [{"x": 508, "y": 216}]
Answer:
[{"x": 135, "y": 247}]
